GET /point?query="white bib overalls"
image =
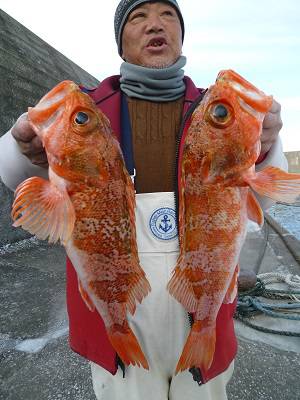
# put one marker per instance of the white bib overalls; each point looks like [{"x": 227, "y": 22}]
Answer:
[{"x": 160, "y": 323}]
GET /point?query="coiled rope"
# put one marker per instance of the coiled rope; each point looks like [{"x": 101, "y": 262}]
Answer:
[
  {"x": 249, "y": 304},
  {"x": 273, "y": 277}
]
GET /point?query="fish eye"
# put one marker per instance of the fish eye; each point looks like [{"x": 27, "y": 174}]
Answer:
[
  {"x": 220, "y": 114},
  {"x": 81, "y": 118}
]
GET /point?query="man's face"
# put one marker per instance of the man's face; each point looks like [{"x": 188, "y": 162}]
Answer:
[{"x": 152, "y": 36}]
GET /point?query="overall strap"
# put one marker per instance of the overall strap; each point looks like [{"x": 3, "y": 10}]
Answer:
[{"x": 126, "y": 137}]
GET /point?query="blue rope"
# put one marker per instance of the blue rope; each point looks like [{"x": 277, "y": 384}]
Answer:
[
  {"x": 283, "y": 306},
  {"x": 249, "y": 305}
]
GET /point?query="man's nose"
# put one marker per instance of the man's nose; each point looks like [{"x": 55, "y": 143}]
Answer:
[{"x": 154, "y": 24}]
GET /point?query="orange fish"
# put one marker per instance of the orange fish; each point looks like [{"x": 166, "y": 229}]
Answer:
[
  {"x": 88, "y": 204},
  {"x": 220, "y": 149}
]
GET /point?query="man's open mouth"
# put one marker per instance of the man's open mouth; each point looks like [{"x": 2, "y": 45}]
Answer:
[{"x": 157, "y": 42}]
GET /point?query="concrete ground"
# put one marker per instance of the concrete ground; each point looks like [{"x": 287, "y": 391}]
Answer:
[
  {"x": 267, "y": 365},
  {"x": 36, "y": 363}
]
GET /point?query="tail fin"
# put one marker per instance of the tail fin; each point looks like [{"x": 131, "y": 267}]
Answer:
[
  {"x": 126, "y": 345},
  {"x": 276, "y": 184},
  {"x": 199, "y": 348}
]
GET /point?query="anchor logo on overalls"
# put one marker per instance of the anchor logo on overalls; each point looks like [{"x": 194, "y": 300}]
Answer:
[
  {"x": 165, "y": 221},
  {"x": 162, "y": 223}
]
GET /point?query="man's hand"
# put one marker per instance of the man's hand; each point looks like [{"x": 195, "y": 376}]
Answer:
[
  {"x": 29, "y": 143},
  {"x": 271, "y": 127}
]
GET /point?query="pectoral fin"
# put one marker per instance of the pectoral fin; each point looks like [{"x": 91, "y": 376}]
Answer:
[
  {"x": 254, "y": 210},
  {"x": 85, "y": 297},
  {"x": 232, "y": 289},
  {"x": 275, "y": 183},
  {"x": 44, "y": 210}
]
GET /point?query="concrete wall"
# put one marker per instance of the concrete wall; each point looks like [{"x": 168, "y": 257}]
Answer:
[{"x": 29, "y": 67}]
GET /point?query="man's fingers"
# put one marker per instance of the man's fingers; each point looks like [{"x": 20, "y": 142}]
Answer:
[
  {"x": 22, "y": 131},
  {"x": 272, "y": 120},
  {"x": 269, "y": 134},
  {"x": 265, "y": 147},
  {"x": 272, "y": 124},
  {"x": 29, "y": 143},
  {"x": 273, "y": 117},
  {"x": 31, "y": 148},
  {"x": 276, "y": 107},
  {"x": 40, "y": 160}
]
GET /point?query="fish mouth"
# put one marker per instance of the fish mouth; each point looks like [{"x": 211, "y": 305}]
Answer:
[
  {"x": 50, "y": 107},
  {"x": 251, "y": 99}
]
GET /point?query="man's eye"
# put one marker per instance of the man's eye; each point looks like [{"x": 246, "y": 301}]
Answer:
[
  {"x": 137, "y": 15},
  {"x": 168, "y": 12}
]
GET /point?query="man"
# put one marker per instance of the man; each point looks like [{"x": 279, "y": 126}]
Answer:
[{"x": 145, "y": 105}]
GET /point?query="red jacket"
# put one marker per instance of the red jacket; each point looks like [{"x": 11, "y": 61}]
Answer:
[{"x": 87, "y": 331}]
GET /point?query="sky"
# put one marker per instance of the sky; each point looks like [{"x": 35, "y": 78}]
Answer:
[{"x": 259, "y": 39}]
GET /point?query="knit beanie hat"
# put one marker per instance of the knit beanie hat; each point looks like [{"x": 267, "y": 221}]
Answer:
[{"x": 124, "y": 9}]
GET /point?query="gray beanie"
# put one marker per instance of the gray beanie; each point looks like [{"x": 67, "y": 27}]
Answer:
[{"x": 124, "y": 9}]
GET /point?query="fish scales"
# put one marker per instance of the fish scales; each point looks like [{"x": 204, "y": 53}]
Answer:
[
  {"x": 89, "y": 205},
  {"x": 216, "y": 173},
  {"x": 104, "y": 234}
]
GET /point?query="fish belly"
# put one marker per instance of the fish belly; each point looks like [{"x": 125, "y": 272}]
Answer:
[
  {"x": 213, "y": 235},
  {"x": 104, "y": 254}
]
